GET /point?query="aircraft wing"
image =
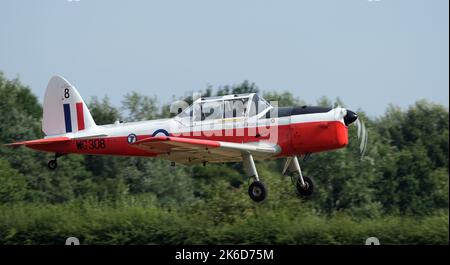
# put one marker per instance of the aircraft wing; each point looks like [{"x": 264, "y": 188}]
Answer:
[
  {"x": 40, "y": 141},
  {"x": 191, "y": 151}
]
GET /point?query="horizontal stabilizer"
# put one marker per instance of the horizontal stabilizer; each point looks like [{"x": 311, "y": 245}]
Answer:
[
  {"x": 90, "y": 136},
  {"x": 40, "y": 141}
]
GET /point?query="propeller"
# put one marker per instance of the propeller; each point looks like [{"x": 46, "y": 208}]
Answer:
[
  {"x": 349, "y": 118},
  {"x": 362, "y": 136},
  {"x": 362, "y": 133}
]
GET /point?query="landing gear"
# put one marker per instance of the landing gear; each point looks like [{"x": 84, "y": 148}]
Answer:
[
  {"x": 304, "y": 184},
  {"x": 53, "y": 164},
  {"x": 307, "y": 189},
  {"x": 257, "y": 190}
]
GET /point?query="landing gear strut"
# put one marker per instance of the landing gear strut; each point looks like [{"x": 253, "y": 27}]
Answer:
[
  {"x": 53, "y": 164},
  {"x": 257, "y": 190},
  {"x": 304, "y": 184}
]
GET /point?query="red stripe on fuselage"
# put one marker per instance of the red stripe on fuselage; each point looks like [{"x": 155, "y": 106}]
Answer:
[
  {"x": 294, "y": 139},
  {"x": 80, "y": 116}
]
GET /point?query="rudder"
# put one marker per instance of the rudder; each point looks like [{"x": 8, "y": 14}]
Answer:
[{"x": 64, "y": 109}]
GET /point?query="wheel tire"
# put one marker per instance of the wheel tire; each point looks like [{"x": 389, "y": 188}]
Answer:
[
  {"x": 52, "y": 164},
  {"x": 305, "y": 191},
  {"x": 257, "y": 191}
]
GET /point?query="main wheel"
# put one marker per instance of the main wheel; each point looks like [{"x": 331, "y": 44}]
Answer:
[
  {"x": 306, "y": 190},
  {"x": 257, "y": 191},
  {"x": 52, "y": 164}
]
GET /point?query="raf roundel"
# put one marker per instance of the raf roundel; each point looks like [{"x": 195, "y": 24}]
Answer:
[
  {"x": 159, "y": 131},
  {"x": 131, "y": 138}
]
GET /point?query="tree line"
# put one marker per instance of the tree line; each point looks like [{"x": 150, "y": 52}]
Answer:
[{"x": 401, "y": 180}]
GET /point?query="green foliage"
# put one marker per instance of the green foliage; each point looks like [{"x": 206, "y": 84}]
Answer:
[
  {"x": 18, "y": 107},
  {"x": 398, "y": 191},
  {"x": 137, "y": 221},
  {"x": 414, "y": 177},
  {"x": 425, "y": 124},
  {"x": 243, "y": 88},
  {"x": 284, "y": 99},
  {"x": 139, "y": 107},
  {"x": 12, "y": 184},
  {"x": 102, "y": 111}
]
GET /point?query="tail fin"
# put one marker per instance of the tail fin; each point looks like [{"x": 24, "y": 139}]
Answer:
[{"x": 64, "y": 109}]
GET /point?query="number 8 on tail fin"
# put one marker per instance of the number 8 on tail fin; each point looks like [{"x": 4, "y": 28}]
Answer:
[{"x": 64, "y": 109}]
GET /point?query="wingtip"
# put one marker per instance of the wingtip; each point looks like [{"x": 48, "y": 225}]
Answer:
[{"x": 13, "y": 144}]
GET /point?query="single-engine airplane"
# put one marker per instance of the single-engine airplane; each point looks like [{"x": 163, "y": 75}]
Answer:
[{"x": 230, "y": 128}]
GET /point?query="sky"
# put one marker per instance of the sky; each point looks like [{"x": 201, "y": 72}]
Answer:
[{"x": 369, "y": 53}]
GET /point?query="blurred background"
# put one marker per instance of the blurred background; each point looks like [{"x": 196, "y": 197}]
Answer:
[{"x": 130, "y": 60}]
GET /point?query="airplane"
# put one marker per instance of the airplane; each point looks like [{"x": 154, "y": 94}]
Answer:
[{"x": 221, "y": 129}]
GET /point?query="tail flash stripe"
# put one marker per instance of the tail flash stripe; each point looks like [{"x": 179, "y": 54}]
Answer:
[
  {"x": 80, "y": 116},
  {"x": 67, "y": 118}
]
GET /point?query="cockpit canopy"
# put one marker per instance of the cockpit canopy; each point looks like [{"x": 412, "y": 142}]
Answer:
[{"x": 229, "y": 106}]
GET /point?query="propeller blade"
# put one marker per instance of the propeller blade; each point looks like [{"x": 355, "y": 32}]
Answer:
[
  {"x": 362, "y": 136},
  {"x": 358, "y": 128}
]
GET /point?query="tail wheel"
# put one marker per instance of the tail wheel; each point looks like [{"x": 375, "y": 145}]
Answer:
[
  {"x": 307, "y": 189},
  {"x": 257, "y": 191},
  {"x": 52, "y": 164}
]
